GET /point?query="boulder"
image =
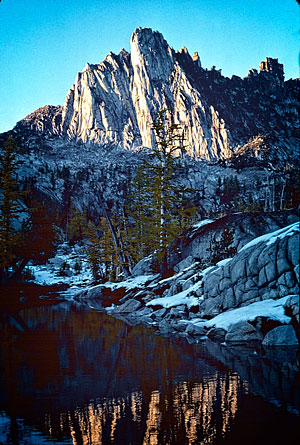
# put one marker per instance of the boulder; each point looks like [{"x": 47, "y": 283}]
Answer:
[
  {"x": 95, "y": 292},
  {"x": 90, "y": 293},
  {"x": 238, "y": 270},
  {"x": 262, "y": 277},
  {"x": 239, "y": 290},
  {"x": 250, "y": 296},
  {"x": 164, "y": 327},
  {"x": 144, "y": 267},
  {"x": 292, "y": 307},
  {"x": 187, "y": 283},
  {"x": 159, "y": 313},
  {"x": 293, "y": 249},
  {"x": 294, "y": 290},
  {"x": 253, "y": 261},
  {"x": 250, "y": 284},
  {"x": 281, "y": 336},
  {"x": 128, "y": 307},
  {"x": 180, "y": 325},
  {"x": 211, "y": 307},
  {"x": 177, "y": 311},
  {"x": 145, "y": 311},
  {"x": 282, "y": 265},
  {"x": 271, "y": 272},
  {"x": 243, "y": 332},
  {"x": 229, "y": 300},
  {"x": 193, "y": 329},
  {"x": 224, "y": 284},
  {"x": 188, "y": 261},
  {"x": 216, "y": 334}
]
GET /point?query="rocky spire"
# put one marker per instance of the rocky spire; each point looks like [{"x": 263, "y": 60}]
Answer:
[
  {"x": 272, "y": 67},
  {"x": 196, "y": 59},
  {"x": 115, "y": 102}
]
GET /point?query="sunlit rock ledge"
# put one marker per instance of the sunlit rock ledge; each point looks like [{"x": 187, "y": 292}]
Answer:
[{"x": 252, "y": 298}]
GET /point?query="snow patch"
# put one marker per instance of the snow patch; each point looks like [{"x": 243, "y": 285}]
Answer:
[
  {"x": 270, "y": 238},
  {"x": 131, "y": 283},
  {"x": 208, "y": 269},
  {"x": 51, "y": 273},
  {"x": 270, "y": 308},
  {"x": 177, "y": 299},
  {"x": 202, "y": 223},
  {"x": 223, "y": 262}
]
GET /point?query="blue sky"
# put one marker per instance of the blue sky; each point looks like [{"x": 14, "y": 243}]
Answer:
[{"x": 43, "y": 44}]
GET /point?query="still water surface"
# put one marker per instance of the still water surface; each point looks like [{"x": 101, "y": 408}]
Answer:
[{"x": 70, "y": 375}]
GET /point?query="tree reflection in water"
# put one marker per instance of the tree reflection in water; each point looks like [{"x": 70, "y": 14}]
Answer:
[
  {"x": 74, "y": 376},
  {"x": 187, "y": 415}
]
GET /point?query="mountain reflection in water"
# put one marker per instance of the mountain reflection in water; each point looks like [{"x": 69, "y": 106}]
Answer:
[{"x": 71, "y": 375}]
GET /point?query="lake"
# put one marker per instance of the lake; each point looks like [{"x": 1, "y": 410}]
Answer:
[{"x": 72, "y": 375}]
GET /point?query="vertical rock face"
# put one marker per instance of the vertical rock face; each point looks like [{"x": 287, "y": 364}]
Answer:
[
  {"x": 152, "y": 63},
  {"x": 98, "y": 108},
  {"x": 116, "y": 101}
]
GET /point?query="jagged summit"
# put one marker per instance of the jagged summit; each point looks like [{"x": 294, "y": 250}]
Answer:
[
  {"x": 113, "y": 103},
  {"x": 45, "y": 119}
]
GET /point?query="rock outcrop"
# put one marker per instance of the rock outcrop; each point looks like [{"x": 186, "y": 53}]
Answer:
[
  {"x": 281, "y": 336},
  {"x": 114, "y": 103},
  {"x": 201, "y": 241},
  {"x": 262, "y": 269},
  {"x": 45, "y": 120},
  {"x": 243, "y": 332},
  {"x": 247, "y": 299}
]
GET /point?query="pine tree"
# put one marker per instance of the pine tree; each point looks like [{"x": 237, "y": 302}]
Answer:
[
  {"x": 108, "y": 255},
  {"x": 219, "y": 250},
  {"x": 77, "y": 222},
  {"x": 116, "y": 234},
  {"x": 94, "y": 250},
  {"x": 10, "y": 209},
  {"x": 38, "y": 237},
  {"x": 159, "y": 205},
  {"x": 143, "y": 217},
  {"x": 168, "y": 141}
]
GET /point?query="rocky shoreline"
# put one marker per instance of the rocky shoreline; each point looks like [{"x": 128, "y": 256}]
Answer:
[{"x": 252, "y": 298}]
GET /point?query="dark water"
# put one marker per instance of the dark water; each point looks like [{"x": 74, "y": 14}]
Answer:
[{"x": 73, "y": 376}]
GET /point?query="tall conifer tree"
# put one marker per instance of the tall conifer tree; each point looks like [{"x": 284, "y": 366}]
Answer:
[
  {"x": 9, "y": 208},
  {"x": 159, "y": 205}
]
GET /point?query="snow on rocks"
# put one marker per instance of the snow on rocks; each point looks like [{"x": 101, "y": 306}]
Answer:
[
  {"x": 270, "y": 238},
  {"x": 239, "y": 300},
  {"x": 258, "y": 272},
  {"x": 68, "y": 266},
  {"x": 273, "y": 309},
  {"x": 182, "y": 298},
  {"x": 202, "y": 223},
  {"x": 132, "y": 282}
]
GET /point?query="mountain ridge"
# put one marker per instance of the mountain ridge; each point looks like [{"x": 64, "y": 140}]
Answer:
[{"x": 114, "y": 103}]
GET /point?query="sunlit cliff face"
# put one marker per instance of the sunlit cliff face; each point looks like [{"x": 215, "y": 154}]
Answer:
[
  {"x": 189, "y": 413},
  {"x": 114, "y": 103}
]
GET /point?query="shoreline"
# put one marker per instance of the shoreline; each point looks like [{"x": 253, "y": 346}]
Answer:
[{"x": 21, "y": 295}]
